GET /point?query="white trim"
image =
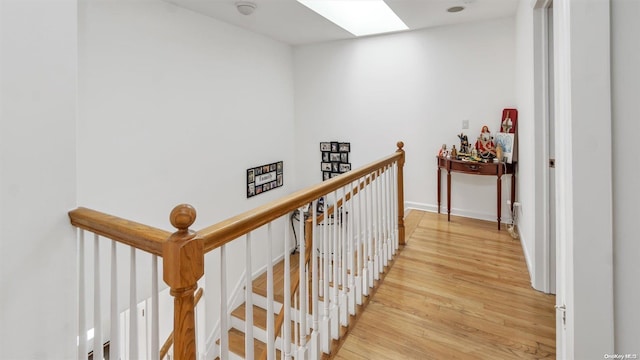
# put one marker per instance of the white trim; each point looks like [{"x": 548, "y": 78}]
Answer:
[
  {"x": 564, "y": 198},
  {"x": 540, "y": 272},
  {"x": 456, "y": 212}
]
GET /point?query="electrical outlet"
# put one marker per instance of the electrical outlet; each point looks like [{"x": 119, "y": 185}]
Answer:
[{"x": 465, "y": 124}]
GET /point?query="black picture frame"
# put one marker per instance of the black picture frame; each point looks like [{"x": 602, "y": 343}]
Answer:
[
  {"x": 335, "y": 158},
  {"x": 263, "y": 178}
]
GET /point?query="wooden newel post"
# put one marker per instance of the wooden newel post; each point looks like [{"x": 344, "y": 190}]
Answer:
[
  {"x": 183, "y": 257},
  {"x": 401, "y": 239}
]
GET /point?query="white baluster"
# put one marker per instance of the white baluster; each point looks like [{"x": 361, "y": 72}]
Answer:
[
  {"x": 133, "y": 308},
  {"x": 383, "y": 218},
  {"x": 97, "y": 308},
  {"x": 271, "y": 350},
  {"x": 302, "y": 292},
  {"x": 114, "y": 342},
  {"x": 344, "y": 315},
  {"x": 315, "y": 277},
  {"x": 286, "y": 334},
  {"x": 82, "y": 322},
  {"x": 360, "y": 243},
  {"x": 378, "y": 222},
  {"x": 390, "y": 210},
  {"x": 370, "y": 234},
  {"x": 335, "y": 307},
  {"x": 155, "y": 313},
  {"x": 396, "y": 210},
  {"x": 248, "y": 329},
  {"x": 224, "y": 327},
  {"x": 351, "y": 252},
  {"x": 326, "y": 319}
]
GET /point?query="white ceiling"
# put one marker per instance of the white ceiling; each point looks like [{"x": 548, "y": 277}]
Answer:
[{"x": 293, "y": 23}]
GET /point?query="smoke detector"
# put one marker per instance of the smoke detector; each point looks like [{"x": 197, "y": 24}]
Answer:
[{"x": 246, "y": 7}]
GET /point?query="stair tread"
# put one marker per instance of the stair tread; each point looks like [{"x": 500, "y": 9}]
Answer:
[
  {"x": 236, "y": 344},
  {"x": 259, "y": 317}
]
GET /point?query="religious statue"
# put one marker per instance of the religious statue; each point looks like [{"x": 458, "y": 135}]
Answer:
[
  {"x": 485, "y": 146},
  {"x": 464, "y": 144},
  {"x": 443, "y": 151}
]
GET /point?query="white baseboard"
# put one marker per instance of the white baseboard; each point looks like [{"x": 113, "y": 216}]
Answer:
[{"x": 455, "y": 211}]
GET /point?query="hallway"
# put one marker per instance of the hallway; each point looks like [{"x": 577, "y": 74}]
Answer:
[{"x": 458, "y": 290}]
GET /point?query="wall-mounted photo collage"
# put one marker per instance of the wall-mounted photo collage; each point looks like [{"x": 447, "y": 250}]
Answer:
[
  {"x": 335, "y": 158},
  {"x": 263, "y": 178}
]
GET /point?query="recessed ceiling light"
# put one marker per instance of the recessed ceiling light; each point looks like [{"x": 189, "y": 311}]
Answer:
[
  {"x": 455, "y": 9},
  {"x": 359, "y": 17}
]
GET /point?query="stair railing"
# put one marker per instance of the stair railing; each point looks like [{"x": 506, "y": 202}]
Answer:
[{"x": 341, "y": 264}]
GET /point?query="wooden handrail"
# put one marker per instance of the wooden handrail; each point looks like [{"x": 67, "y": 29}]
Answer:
[
  {"x": 223, "y": 232},
  {"x": 167, "y": 344},
  {"x": 139, "y": 236}
]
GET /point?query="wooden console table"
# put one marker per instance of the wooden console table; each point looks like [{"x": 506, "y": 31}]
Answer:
[{"x": 476, "y": 168}]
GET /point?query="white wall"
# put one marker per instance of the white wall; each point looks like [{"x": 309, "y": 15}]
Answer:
[
  {"x": 625, "y": 57},
  {"x": 416, "y": 87},
  {"x": 37, "y": 170},
  {"x": 524, "y": 84},
  {"x": 173, "y": 108}
]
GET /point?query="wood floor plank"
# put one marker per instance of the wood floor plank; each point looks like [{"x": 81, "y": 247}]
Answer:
[{"x": 457, "y": 290}]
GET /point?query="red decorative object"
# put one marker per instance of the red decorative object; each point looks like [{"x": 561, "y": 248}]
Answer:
[{"x": 509, "y": 122}]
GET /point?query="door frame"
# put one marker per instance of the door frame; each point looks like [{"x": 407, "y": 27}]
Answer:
[{"x": 541, "y": 113}]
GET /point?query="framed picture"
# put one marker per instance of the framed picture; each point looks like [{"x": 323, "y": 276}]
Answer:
[
  {"x": 264, "y": 178},
  {"x": 507, "y": 142},
  {"x": 335, "y": 158},
  {"x": 325, "y": 146}
]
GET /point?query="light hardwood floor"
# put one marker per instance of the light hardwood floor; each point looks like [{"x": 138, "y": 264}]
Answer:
[{"x": 458, "y": 290}]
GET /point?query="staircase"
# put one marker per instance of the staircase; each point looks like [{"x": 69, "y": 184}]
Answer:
[
  {"x": 354, "y": 240},
  {"x": 259, "y": 299}
]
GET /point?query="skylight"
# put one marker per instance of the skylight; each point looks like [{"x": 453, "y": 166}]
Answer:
[{"x": 359, "y": 17}]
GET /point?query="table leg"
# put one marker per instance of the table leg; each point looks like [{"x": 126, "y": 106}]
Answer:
[
  {"x": 448, "y": 195},
  {"x": 439, "y": 176},
  {"x": 513, "y": 190},
  {"x": 499, "y": 199}
]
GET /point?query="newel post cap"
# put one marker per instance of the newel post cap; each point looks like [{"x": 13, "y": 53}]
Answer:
[{"x": 183, "y": 252}]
